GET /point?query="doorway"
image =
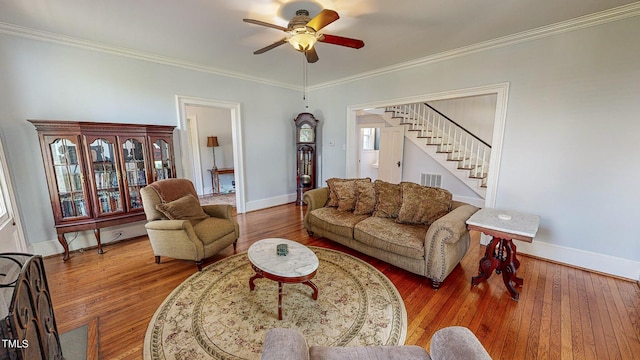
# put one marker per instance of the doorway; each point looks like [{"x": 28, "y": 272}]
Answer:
[
  {"x": 11, "y": 235},
  {"x": 191, "y": 156},
  {"x": 500, "y": 90}
]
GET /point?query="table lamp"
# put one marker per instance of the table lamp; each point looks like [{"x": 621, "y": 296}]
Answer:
[{"x": 212, "y": 142}]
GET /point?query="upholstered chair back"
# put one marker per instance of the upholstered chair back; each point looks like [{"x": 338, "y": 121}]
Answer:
[{"x": 164, "y": 191}]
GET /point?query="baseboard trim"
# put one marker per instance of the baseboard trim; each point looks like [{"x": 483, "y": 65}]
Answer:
[
  {"x": 85, "y": 240},
  {"x": 601, "y": 263},
  {"x": 270, "y": 202},
  {"x": 478, "y": 202}
]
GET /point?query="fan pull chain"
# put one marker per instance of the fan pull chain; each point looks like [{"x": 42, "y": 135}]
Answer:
[{"x": 304, "y": 81}]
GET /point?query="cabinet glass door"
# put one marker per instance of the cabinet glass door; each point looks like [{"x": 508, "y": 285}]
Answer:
[
  {"x": 135, "y": 172},
  {"x": 68, "y": 177},
  {"x": 161, "y": 160},
  {"x": 106, "y": 177}
]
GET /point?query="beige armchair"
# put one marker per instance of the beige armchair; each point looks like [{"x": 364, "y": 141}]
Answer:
[{"x": 180, "y": 228}]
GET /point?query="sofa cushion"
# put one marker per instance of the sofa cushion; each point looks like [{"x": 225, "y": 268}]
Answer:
[
  {"x": 365, "y": 198},
  {"x": 346, "y": 193},
  {"x": 384, "y": 233},
  {"x": 423, "y": 204},
  {"x": 388, "y": 199},
  {"x": 333, "y": 197},
  {"x": 184, "y": 208},
  {"x": 212, "y": 229},
  {"x": 335, "y": 221}
]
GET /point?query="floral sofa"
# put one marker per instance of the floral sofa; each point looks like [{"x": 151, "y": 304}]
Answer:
[{"x": 417, "y": 228}]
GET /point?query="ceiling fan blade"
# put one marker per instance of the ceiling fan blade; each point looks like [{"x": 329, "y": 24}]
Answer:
[
  {"x": 340, "y": 40},
  {"x": 312, "y": 55},
  {"x": 324, "y": 18},
  {"x": 274, "y": 45},
  {"x": 258, "y": 22}
]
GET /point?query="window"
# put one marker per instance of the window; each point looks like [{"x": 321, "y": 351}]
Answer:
[{"x": 370, "y": 138}]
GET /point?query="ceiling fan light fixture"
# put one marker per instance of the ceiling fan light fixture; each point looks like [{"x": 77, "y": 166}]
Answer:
[{"x": 302, "y": 40}]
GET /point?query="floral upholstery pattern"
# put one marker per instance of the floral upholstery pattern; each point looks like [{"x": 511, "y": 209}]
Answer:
[
  {"x": 346, "y": 192},
  {"x": 338, "y": 222},
  {"x": 388, "y": 199},
  {"x": 386, "y": 234},
  {"x": 423, "y": 204},
  {"x": 365, "y": 198},
  {"x": 333, "y": 196}
]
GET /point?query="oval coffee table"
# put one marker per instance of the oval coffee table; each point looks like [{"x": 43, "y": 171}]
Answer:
[{"x": 298, "y": 266}]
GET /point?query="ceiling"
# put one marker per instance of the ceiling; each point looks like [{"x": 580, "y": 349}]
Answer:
[{"x": 211, "y": 35}]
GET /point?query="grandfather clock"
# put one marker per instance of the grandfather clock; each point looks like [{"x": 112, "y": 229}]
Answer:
[{"x": 305, "y": 154}]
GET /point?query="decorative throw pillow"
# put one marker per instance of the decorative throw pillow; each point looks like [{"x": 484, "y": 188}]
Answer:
[
  {"x": 423, "y": 204},
  {"x": 333, "y": 197},
  {"x": 346, "y": 193},
  {"x": 365, "y": 198},
  {"x": 388, "y": 199},
  {"x": 184, "y": 208}
]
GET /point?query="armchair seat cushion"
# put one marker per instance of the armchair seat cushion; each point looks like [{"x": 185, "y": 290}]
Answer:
[
  {"x": 211, "y": 229},
  {"x": 385, "y": 234}
]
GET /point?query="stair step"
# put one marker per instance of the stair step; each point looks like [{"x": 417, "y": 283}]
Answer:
[
  {"x": 457, "y": 159},
  {"x": 480, "y": 176}
]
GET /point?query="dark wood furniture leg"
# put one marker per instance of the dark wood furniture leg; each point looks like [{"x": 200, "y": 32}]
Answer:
[
  {"x": 281, "y": 280},
  {"x": 500, "y": 256},
  {"x": 509, "y": 267},
  {"x": 63, "y": 241},
  {"x": 97, "y": 233},
  {"x": 488, "y": 263}
]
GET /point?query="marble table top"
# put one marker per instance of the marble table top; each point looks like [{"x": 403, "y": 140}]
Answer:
[
  {"x": 511, "y": 222},
  {"x": 299, "y": 261}
]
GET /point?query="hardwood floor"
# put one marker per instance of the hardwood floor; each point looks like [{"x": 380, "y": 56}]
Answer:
[{"x": 563, "y": 312}]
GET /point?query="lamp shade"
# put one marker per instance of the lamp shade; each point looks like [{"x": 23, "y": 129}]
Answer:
[
  {"x": 212, "y": 141},
  {"x": 302, "y": 41}
]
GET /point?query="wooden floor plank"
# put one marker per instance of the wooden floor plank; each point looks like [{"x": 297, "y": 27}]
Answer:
[{"x": 562, "y": 312}]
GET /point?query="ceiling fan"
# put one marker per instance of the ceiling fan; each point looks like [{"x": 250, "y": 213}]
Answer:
[{"x": 303, "y": 33}]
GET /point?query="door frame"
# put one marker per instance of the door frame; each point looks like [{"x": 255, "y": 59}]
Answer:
[
  {"x": 186, "y": 151},
  {"x": 13, "y": 218},
  {"x": 502, "y": 92}
]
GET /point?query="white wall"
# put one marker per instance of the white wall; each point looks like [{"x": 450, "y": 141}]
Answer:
[
  {"x": 570, "y": 141},
  {"x": 41, "y": 80}
]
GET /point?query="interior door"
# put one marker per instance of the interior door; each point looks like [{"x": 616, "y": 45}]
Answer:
[
  {"x": 391, "y": 154},
  {"x": 11, "y": 236}
]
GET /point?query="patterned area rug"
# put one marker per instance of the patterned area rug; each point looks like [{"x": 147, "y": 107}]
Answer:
[
  {"x": 228, "y": 199},
  {"x": 213, "y": 314}
]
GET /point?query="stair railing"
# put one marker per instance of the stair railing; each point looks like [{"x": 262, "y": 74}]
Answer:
[{"x": 471, "y": 152}]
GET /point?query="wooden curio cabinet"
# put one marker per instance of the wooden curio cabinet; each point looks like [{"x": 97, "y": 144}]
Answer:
[
  {"x": 95, "y": 171},
  {"x": 306, "y": 138}
]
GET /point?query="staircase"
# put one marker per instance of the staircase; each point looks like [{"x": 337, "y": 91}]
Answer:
[{"x": 462, "y": 153}]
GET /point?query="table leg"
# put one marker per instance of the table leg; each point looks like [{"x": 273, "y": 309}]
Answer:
[
  {"x": 509, "y": 268},
  {"x": 488, "y": 263},
  {"x": 315, "y": 289},
  {"x": 258, "y": 275}
]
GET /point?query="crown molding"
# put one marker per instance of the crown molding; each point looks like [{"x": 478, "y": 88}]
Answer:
[
  {"x": 33, "y": 34},
  {"x": 615, "y": 14}
]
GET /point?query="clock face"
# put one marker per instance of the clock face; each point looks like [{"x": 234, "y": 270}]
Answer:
[{"x": 305, "y": 133}]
